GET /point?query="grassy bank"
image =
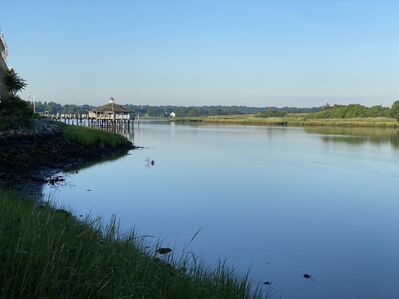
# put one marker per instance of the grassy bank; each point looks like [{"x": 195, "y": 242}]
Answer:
[
  {"x": 48, "y": 253},
  {"x": 295, "y": 120},
  {"x": 92, "y": 136}
]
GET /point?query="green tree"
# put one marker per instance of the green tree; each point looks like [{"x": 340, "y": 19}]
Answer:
[
  {"x": 14, "y": 112},
  {"x": 395, "y": 110},
  {"x": 13, "y": 83}
]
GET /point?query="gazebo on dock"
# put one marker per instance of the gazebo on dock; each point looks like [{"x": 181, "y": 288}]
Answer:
[{"x": 111, "y": 114}]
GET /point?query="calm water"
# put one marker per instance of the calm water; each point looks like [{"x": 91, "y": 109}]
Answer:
[{"x": 281, "y": 201}]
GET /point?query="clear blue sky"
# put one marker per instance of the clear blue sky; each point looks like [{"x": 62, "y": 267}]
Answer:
[{"x": 256, "y": 53}]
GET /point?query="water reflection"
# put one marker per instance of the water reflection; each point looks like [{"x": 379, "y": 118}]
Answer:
[
  {"x": 283, "y": 201},
  {"x": 357, "y": 136}
]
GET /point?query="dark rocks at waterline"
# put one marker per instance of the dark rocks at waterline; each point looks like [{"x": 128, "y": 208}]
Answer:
[
  {"x": 54, "y": 180},
  {"x": 163, "y": 250},
  {"x": 25, "y": 151},
  {"x": 39, "y": 128}
]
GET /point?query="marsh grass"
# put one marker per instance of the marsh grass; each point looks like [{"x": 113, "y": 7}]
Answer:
[
  {"x": 93, "y": 136},
  {"x": 48, "y": 253},
  {"x": 298, "y": 119}
]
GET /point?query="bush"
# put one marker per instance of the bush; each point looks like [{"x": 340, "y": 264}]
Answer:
[
  {"x": 15, "y": 113},
  {"x": 271, "y": 113}
]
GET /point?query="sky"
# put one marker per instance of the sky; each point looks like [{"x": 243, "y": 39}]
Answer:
[{"x": 207, "y": 52}]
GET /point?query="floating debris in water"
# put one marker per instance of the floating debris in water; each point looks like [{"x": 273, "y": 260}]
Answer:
[
  {"x": 267, "y": 282},
  {"x": 163, "y": 250}
]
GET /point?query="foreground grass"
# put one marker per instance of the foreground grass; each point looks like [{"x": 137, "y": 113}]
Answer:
[
  {"x": 295, "y": 120},
  {"x": 92, "y": 136},
  {"x": 48, "y": 253}
]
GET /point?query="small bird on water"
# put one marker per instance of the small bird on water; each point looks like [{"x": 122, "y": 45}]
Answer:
[{"x": 307, "y": 276}]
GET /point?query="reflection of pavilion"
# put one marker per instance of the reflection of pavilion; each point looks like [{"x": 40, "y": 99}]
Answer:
[
  {"x": 125, "y": 131},
  {"x": 110, "y": 114}
]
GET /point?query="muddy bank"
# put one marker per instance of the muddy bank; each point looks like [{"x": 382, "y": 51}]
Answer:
[{"x": 31, "y": 154}]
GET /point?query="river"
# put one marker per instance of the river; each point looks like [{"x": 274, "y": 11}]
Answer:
[{"x": 279, "y": 201}]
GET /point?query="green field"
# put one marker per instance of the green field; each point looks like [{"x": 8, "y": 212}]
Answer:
[{"x": 48, "y": 253}]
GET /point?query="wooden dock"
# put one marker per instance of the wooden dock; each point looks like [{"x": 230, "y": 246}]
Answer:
[{"x": 85, "y": 120}]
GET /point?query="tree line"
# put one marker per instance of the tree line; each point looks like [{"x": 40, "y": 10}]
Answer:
[
  {"x": 327, "y": 111},
  {"x": 54, "y": 108},
  {"x": 164, "y": 111},
  {"x": 356, "y": 111}
]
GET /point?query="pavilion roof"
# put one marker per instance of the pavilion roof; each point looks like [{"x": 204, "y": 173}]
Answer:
[{"x": 111, "y": 107}]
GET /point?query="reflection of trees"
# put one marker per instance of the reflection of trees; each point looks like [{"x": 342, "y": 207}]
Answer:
[
  {"x": 85, "y": 165},
  {"x": 358, "y": 136}
]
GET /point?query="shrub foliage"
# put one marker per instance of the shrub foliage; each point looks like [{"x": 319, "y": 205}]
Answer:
[
  {"x": 14, "y": 112},
  {"x": 351, "y": 111}
]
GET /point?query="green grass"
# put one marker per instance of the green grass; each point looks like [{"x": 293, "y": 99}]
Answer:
[
  {"x": 48, "y": 253},
  {"x": 295, "y": 120},
  {"x": 92, "y": 136}
]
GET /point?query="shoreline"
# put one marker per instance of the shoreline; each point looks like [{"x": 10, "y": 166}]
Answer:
[
  {"x": 85, "y": 256},
  {"x": 33, "y": 155},
  {"x": 292, "y": 121}
]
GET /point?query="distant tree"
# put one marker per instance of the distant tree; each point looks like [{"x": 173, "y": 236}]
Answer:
[
  {"x": 194, "y": 112},
  {"x": 395, "y": 110},
  {"x": 271, "y": 112}
]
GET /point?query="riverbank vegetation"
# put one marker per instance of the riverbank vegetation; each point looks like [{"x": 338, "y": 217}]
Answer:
[
  {"x": 334, "y": 116},
  {"x": 294, "y": 120},
  {"x": 351, "y": 111},
  {"x": 48, "y": 253},
  {"x": 92, "y": 136}
]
